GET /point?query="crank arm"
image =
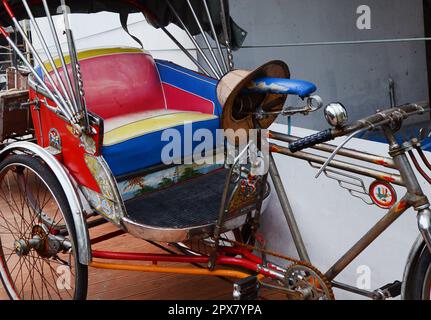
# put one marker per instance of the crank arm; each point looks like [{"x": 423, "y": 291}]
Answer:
[{"x": 291, "y": 294}]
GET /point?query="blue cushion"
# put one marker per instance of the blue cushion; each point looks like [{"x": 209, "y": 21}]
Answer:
[
  {"x": 126, "y": 155},
  {"x": 300, "y": 88}
]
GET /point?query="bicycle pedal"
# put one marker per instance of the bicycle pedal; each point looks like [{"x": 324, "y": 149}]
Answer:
[
  {"x": 391, "y": 290},
  {"x": 246, "y": 289}
]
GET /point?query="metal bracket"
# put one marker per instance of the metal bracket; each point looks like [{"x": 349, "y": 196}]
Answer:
[{"x": 353, "y": 184}]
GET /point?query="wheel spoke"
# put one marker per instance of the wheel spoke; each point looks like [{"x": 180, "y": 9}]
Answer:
[{"x": 28, "y": 206}]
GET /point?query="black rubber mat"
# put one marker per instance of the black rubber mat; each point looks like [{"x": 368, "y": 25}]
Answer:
[{"x": 188, "y": 204}]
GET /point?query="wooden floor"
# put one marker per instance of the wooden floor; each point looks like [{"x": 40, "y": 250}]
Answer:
[{"x": 118, "y": 285}]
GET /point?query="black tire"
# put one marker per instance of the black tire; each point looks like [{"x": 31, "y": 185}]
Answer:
[
  {"x": 40, "y": 170},
  {"x": 418, "y": 286}
]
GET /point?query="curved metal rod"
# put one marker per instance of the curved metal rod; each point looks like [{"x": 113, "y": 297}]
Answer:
[
  {"x": 222, "y": 58},
  {"x": 418, "y": 167},
  {"x": 50, "y": 57},
  {"x": 205, "y": 38},
  {"x": 332, "y": 156},
  {"x": 213, "y": 70}
]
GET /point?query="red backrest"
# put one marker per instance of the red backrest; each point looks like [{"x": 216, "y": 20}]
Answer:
[{"x": 119, "y": 81}]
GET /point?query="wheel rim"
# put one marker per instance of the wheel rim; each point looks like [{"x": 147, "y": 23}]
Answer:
[
  {"x": 426, "y": 292},
  {"x": 30, "y": 265}
]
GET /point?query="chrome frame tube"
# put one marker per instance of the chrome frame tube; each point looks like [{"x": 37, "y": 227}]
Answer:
[
  {"x": 213, "y": 70},
  {"x": 186, "y": 52},
  {"x": 424, "y": 224},
  {"x": 60, "y": 52},
  {"x": 50, "y": 57},
  {"x": 222, "y": 58},
  {"x": 64, "y": 103},
  {"x": 209, "y": 47},
  {"x": 76, "y": 69}
]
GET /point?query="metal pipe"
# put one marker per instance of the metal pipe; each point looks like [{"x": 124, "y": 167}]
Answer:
[
  {"x": 393, "y": 214},
  {"x": 376, "y": 174},
  {"x": 205, "y": 38},
  {"x": 186, "y": 52},
  {"x": 225, "y": 21},
  {"x": 332, "y": 156},
  {"x": 330, "y": 43},
  {"x": 60, "y": 52},
  {"x": 66, "y": 105},
  {"x": 35, "y": 74},
  {"x": 177, "y": 270},
  {"x": 287, "y": 210},
  {"x": 213, "y": 70},
  {"x": 215, "y": 36},
  {"x": 50, "y": 57},
  {"x": 345, "y": 152}
]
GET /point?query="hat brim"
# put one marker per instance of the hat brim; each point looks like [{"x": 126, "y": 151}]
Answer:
[{"x": 273, "y": 69}]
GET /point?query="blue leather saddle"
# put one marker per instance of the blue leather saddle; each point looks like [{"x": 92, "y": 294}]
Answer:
[{"x": 300, "y": 88}]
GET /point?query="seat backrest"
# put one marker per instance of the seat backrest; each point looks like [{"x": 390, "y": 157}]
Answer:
[{"x": 120, "y": 81}]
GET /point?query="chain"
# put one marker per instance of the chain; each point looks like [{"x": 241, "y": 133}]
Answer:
[{"x": 287, "y": 258}]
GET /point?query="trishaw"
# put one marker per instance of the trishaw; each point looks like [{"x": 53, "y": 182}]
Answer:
[{"x": 113, "y": 135}]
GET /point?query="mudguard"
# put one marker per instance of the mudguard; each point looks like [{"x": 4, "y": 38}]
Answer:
[{"x": 76, "y": 202}]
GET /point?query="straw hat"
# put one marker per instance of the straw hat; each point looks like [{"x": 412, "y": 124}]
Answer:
[{"x": 238, "y": 105}]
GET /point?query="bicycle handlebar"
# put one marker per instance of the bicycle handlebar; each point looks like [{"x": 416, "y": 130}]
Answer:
[
  {"x": 310, "y": 141},
  {"x": 394, "y": 115}
]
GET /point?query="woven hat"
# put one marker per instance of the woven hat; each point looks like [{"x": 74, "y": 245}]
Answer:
[{"x": 240, "y": 104}]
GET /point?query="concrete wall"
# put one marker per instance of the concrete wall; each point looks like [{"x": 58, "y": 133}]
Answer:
[{"x": 357, "y": 75}]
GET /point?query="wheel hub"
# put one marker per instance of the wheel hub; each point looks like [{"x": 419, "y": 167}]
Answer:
[{"x": 43, "y": 242}]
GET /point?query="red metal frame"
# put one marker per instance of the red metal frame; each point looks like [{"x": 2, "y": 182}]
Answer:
[
  {"x": 222, "y": 259},
  {"x": 72, "y": 153}
]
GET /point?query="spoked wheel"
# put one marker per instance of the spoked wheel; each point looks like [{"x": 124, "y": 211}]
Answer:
[{"x": 38, "y": 257}]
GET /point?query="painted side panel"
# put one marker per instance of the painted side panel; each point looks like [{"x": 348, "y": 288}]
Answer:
[{"x": 72, "y": 155}]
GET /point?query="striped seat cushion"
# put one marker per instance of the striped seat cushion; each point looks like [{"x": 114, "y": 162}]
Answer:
[{"x": 134, "y": 141}]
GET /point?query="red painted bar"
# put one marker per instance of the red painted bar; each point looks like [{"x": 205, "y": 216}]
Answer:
[{"x": 221, "y": 260}]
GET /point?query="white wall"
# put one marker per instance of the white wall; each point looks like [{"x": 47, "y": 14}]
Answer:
[
  {"x": 104, "y": 30},
  {"x": 331, "y": 221}
]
